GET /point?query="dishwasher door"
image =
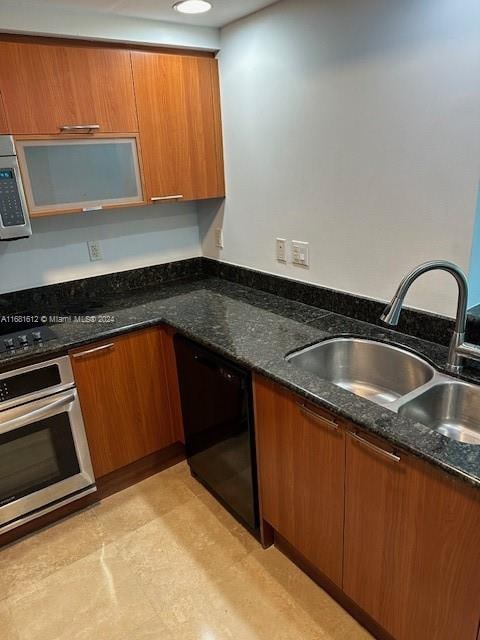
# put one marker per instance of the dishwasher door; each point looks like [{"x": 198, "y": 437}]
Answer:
[{"x": 218, "y": 422}]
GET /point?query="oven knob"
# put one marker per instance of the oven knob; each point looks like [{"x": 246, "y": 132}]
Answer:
[
  {"x": 37, "y": 336},
  {"x": 9, "y": 343},
  {"x": 23, "y": 341}
]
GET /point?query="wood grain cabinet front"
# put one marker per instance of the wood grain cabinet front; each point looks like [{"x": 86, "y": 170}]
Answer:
[
  {"x": 3, "y": 117},
  {"x": 301, "y": 454},
  {"x": 399, "y": 537},
  {"x": 125, "y": 399},
  {"x": 47, "y": 86},
  {"x": 178, "y": 106},
  {"x": 412, "y": 552}
]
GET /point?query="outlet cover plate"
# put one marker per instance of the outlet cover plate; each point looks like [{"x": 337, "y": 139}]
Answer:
[
  {"x": 281, "y": 249},
  {"x": 95, "y": 250},
  {"x": 219, "y": 238}
]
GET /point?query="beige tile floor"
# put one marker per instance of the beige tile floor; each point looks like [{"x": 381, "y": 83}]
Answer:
[{"x": 160, "y": 561}]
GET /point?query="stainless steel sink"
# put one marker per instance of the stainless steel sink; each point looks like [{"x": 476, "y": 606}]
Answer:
[
  {"x": 451, "y": 408},
  {"x": 398, "y": 380},
  {"x": 379, "y": 372}
]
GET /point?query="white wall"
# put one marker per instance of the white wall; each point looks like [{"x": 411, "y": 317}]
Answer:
[
  {"x": 355, "y": 125},
  {"x": 20, "y": 16},
  {"x": 130, "y": 238}
]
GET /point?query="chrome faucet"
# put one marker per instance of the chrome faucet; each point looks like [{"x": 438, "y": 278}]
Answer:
[{"x": 459, "y": 349}]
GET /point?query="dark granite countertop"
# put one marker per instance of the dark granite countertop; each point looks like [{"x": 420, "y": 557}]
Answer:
[{"x": 257, "y": 330}]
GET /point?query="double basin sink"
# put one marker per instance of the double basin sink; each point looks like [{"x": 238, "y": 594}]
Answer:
[{"x": 398, "y": 380}]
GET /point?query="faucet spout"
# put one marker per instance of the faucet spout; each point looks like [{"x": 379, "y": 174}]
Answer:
[{"x": 458, "y": 347}]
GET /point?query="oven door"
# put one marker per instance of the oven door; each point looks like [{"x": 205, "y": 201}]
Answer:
[{"x": 44, "y": 458}]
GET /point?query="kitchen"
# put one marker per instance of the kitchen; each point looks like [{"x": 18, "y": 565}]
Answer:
[{"x": 240, "y": 337}]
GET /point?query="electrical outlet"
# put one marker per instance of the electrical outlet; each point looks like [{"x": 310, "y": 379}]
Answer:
[
  {"x": 95, "y": 250},
  {"x": 300, "y": 253},
  {"x": 219, "y": 237},
  {"x": 281, "y": 250}
]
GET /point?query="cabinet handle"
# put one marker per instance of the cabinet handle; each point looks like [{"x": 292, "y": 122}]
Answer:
[
  {"x": 163, "y": 198},
  {"x": 79, "y": 127},
  {"x": 369, "y": 445},
  {"x": 324, "y": 422},
  {"x": 104, "y": 347}
]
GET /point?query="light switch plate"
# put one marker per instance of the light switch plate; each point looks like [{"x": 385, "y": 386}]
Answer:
[
  {"x": 95, "y": 250},
  {"x": 300, "y": 253},
  {"x": 281, "y": 249}
]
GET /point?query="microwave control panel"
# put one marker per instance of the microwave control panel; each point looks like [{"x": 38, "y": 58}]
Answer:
[{"x": 11, "y": 210}]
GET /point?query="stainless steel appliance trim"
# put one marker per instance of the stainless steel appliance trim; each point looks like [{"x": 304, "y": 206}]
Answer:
[
  {"x": 319, "y": 419},
  {"x": 164, "y": 198},
  {"x": 372, "y": 447},
  {"x": 79, "y": 127},
  {"x": 66, "y": 381},
  {"x": 11, "y": 162},
  {"x": 52, "y": 507},
  {"x": 7, "y": 146},
  {"x": 103, "y": 347},
  {"x": 64, "y": 488}
]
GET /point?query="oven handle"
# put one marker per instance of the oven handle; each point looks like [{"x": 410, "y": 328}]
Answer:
[{"x": 37, "y": 414}]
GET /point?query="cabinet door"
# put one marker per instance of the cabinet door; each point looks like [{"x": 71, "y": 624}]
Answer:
[
  {"x": 412, "y": 559},
  {"x": 301, "y": 457},
  {"x": 123, "y": 394},
  {"x": 179, "y": 119},
  {"x": 46, "y": 87},
  {"x": 79, "y": 173}
]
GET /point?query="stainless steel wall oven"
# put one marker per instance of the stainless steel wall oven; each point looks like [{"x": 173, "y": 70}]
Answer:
[{"x": 44, "y": 457}]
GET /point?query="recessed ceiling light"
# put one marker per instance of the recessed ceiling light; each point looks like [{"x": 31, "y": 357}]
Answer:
[{"x": 192, "y": 6}]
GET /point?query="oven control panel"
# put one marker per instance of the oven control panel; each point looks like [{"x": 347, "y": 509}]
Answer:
[
  {"x": 34, "y": 382},
  {"x": 11, "y": 210}
]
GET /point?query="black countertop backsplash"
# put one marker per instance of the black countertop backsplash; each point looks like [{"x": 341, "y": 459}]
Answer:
[{"x": 255, "y": 319}]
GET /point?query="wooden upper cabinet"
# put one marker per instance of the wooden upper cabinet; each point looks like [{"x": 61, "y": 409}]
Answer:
[
  {"x": 412, "y": 553},
  {"x": 123, "y": 392},
  {"x": 178, "y": 104},
  {"x": 301, "y": 463},
  {"x": 47, "y": 86}
]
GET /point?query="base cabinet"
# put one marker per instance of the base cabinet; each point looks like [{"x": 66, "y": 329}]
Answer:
[
  {"x": 123, "y": 392},
  {"x": 399, "y": 537},
  {"x": 412, "y": 553},
  {"x": 301, "y": 475}
]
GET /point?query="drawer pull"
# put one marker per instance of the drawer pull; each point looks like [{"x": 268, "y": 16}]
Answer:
[
  {"x": 84, "y": 354},
  {"x": 324, "y": 422},
  {"x": 369, "y": 445},
  {"x": 75, "y": 128},
  {"x": 164, "y": 198}
]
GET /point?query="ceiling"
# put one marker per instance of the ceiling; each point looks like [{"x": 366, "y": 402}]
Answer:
[{"x": 223, "y": 12}]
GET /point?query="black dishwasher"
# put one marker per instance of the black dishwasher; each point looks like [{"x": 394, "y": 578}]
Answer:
[{"x": 217, "y": 413}]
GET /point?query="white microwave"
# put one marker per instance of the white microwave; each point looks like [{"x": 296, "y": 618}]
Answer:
[{"x": 14, "y": 219}]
